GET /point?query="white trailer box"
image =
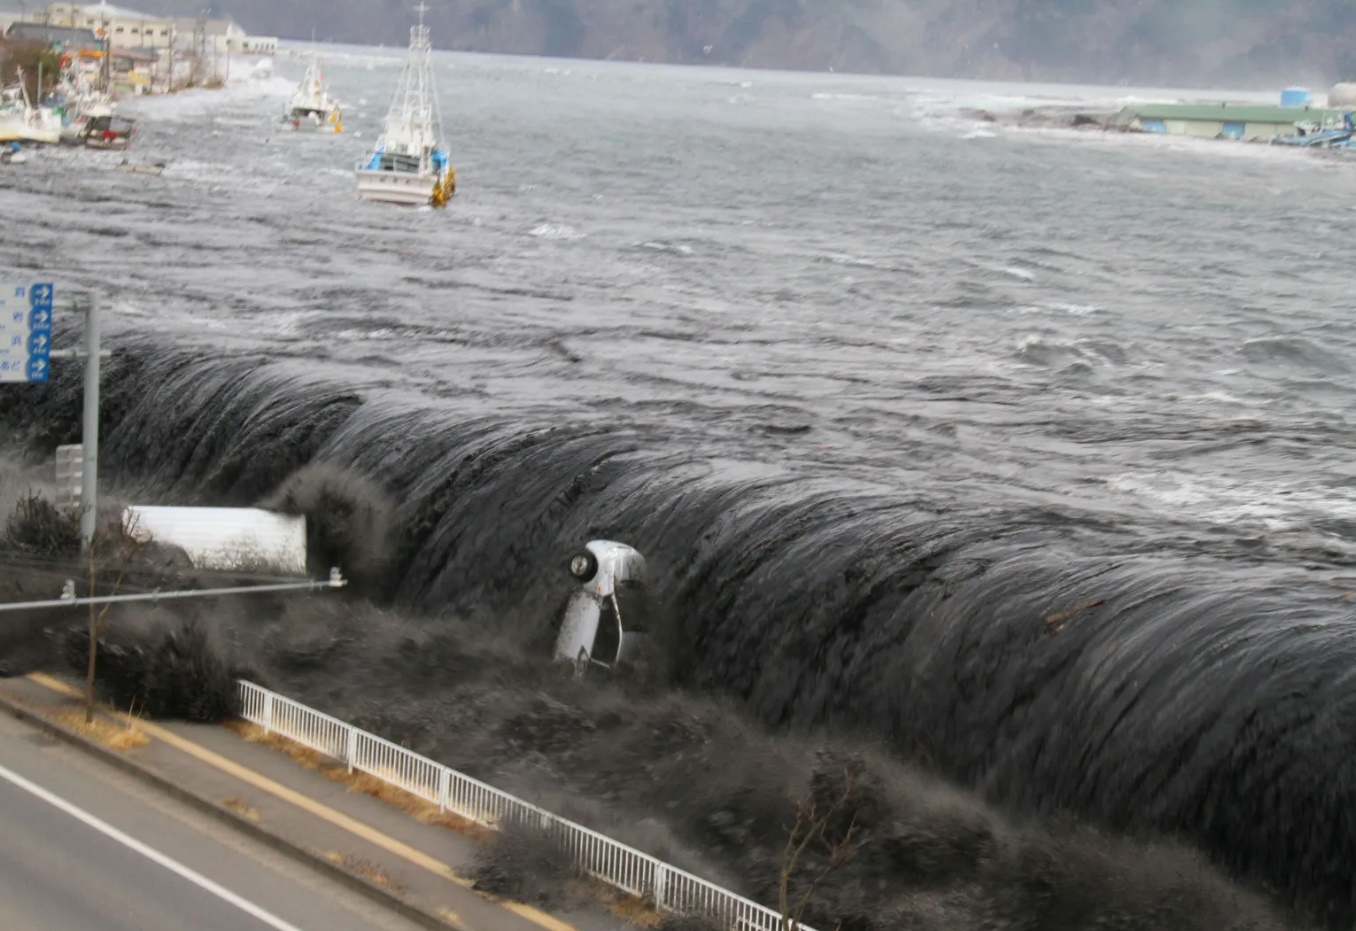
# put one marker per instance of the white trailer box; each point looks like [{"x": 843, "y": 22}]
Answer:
[{"x": 226, "y": 538}]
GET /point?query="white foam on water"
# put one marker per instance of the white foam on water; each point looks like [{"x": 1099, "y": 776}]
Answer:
[{"x": 558, "y": 231}]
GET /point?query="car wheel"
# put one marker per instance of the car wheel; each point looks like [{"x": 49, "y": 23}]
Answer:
[{"x": 583, "y": 565}]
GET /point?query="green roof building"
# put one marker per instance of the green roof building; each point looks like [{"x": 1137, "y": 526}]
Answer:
[{"x": 1224, "y": 120}]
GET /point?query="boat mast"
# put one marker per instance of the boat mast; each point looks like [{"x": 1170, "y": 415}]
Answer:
[{"x": 413, "y": 111}]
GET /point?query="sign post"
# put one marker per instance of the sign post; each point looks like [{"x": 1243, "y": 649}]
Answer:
[
  {"x": 26, "y": 356},
  {"x": 25, "y": 332}
]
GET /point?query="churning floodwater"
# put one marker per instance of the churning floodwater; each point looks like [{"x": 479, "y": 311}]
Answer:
[{"x": 1027, "y": 453}]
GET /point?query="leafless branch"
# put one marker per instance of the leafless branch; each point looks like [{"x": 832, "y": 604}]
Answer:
[
  {"x": 127, "y": 545},
  {"x": 811, "y": 826}
]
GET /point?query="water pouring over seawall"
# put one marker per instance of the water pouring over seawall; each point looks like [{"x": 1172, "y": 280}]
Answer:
[{"x": 1049, "y": 663}]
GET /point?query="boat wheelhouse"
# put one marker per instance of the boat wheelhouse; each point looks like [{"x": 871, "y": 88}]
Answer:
[{"x": 409, "y": 165}]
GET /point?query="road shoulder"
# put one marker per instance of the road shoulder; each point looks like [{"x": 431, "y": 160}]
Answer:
[{"x": 416, "y": 868}]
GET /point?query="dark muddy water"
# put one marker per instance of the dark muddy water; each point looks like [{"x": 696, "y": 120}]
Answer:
[{"x": 885, "y": 394}]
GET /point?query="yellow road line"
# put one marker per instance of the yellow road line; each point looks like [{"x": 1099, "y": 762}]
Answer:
[{"x": 324, "y": 812}]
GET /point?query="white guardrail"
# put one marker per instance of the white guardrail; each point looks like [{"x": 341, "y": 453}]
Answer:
[{"x": 667, "y": 887}]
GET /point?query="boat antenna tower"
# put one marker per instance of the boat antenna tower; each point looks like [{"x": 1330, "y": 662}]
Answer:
[{"x": 415, "y": 106}]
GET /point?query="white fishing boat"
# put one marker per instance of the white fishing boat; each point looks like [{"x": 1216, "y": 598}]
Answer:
[
  {"x": 408, "y": 165},
  {"x": 20, "y": 121},
  {"x": 98, "y": 127},
  {"x": 13, "y": 116},
  {"x": 312, "y": 108},
  {"x": 76, "y": 95}
]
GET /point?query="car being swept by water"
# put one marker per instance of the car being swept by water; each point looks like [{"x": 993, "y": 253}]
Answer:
[{"x": 606, "y": 621}]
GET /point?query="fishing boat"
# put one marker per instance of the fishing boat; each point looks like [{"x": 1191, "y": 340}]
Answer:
[
  {"x": 98, "y": 127},
  {"x": 21, "y": 121},
  {"x": 312, "y": 108},
  {"x": 75, "y": 94},
  {"x": 408, "y": 165}
]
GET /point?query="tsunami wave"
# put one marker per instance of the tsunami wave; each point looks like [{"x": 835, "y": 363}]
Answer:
[{"x": 1052, "y": 667}]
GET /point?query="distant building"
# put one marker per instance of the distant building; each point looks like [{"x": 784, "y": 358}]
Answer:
[
  {"x": 122, "y": 27},
  {"x": 127, "y": 28},
  {"x": 9, "y": 17},
  {"x": 145, "y": 51},
  {"x": 133, "y": 70},
  {"x": 59, "y": 36},
  {"x": 223, "y": 35},
  {"x": 1222, "y": 121},
  {"x": 256, "y": 45}
]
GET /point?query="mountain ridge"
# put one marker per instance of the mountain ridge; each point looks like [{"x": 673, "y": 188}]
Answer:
[{"x": 1221, "y": 43}]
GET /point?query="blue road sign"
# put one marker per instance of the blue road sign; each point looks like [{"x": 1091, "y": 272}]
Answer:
[{"x": 25, "y": 331}]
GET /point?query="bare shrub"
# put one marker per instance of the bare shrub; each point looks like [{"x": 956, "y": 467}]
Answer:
[
  {"x": 523, "y": 863},
  {"x": 37, "y": 526}
]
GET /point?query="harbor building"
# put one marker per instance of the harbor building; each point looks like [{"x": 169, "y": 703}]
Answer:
[
  {"x": 1223, "y": 121},
  {"x": 1247, "y": 122},
  {"x": 132, "y": 29}
]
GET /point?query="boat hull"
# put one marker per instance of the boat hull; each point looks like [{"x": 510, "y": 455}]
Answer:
[
  {"x": 396, "y": 187},
  {"x": 308, "y": 122},
  {"x": 18, "y": 129},
  {"x": 32, "y": 137}
]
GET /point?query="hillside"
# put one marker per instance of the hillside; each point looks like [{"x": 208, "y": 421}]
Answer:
[{"x": 1233, "y": 43}]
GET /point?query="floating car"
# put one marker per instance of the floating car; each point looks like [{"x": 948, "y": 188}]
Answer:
[{"x": 606, "y": 622}]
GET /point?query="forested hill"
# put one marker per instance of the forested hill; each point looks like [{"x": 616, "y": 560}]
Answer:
[{"x": 1235, "y": 43}]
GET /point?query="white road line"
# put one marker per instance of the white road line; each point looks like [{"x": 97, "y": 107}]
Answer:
[{"x": 174, "y": 866}]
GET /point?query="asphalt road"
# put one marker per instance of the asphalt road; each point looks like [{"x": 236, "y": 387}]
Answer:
[{"x": 83, "y": 847}]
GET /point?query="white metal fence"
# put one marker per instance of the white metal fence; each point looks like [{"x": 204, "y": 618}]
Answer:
[{"x": 667, "y": 887}]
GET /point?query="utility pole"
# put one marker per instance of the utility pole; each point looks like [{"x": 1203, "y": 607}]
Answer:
[
  {"x": 106, "y": 71},
  {"x": 200, "y": 48},
  {"x": 89, "y": 484}
]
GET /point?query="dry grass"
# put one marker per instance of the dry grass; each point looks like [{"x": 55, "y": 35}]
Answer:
[
  {"x": 241, "y": 809},
  {"x": 366, "y": 869},
  {"x": 116, "y": 735},
  {"x": 304, "y": 755},
  {"x": 421, "y": 810},
  {"x": 629, "y": 908}
]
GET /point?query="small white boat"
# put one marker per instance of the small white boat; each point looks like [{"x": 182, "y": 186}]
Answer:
[
  {"x": 312, "y": 108},
  {"x": 20, "y": 121},
  {"x": 12, "y": 155},
  {"x": 98, "y": 127},
  {"x": 408, "y": 165}
]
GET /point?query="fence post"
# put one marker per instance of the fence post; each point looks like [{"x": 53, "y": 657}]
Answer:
[
  {"x": 268, "y": 712},
  {"x": 444, "y": 785},
  {"x": 661, "y": 883},
  {"x": 351, "y": 751}
]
